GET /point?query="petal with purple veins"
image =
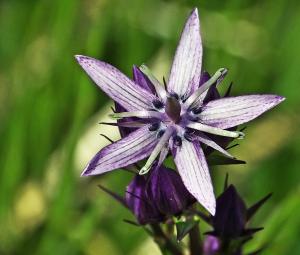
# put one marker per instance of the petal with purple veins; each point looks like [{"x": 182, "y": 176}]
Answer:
[
  {"x": 192, "y": 167},
  {"x": 142, "y": 80},
  {"x": 232, "y": 111},
  {"x": 115, "y": 84},
  {"x": 186, "y": 69},
  {"x": 134, "y": 147}
]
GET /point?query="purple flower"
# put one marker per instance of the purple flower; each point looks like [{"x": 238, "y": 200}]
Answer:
[
  {"x": 153, "y": 198},
  {"x": 137, "y": 201},
  {"x": 166, "y": 190},
  {"x": 232, "y": 215},
  {"x": 211, "y": 245},
  {"x": 174, "y": 119}
]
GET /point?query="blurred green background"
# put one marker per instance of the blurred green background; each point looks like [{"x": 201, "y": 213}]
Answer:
[{"x": 50, "y": 110}]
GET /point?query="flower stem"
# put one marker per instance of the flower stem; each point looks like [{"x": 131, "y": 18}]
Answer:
[
  {"x": 195, "y": 241},
  {"x": 166, "y": 245}
]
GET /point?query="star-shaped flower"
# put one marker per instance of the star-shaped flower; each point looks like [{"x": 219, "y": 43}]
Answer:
[{"x": 175, "y": 118}]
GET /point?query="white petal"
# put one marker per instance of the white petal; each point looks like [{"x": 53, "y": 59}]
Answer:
[
  {"x": 232, "y": 111},
  {"x": 134, "y": 147},
  {"x": 192, "y": 167},
  {"x": 115, "y": 84},
  {"x": 186, "y": 69}
]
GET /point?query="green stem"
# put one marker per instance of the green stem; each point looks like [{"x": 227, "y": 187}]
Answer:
[
  {"x": 164, "y": 242},
  {"x": 195, "y": 241}
]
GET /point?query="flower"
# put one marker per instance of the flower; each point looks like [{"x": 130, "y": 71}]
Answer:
[
  {"x": 176, "y": 118},
  {"x": 166, "y": 190},
  {"x": 155, "y": 197},
  {"x": 232, "y": 216},
  {"x": 136, "y": 200},
  {"x": 211, "y": 245}
]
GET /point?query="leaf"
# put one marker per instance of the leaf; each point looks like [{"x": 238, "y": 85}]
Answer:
[
  {"x": 220, "y": 160},
  {"x": 184, "y": 227}
]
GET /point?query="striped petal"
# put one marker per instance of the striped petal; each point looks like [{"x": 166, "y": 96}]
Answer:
[
  {"x": 192, "y": 167},
  {"x": 142, "y": 80},
  {"x": 115, "y": 84},
  {"x": 134, "y": 147},
  {"x": 186, "y": 69},
  {"x": 232, "y": 111}
]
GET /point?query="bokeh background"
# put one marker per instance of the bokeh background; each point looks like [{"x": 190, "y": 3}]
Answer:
[{"x": 49, "y": 114}]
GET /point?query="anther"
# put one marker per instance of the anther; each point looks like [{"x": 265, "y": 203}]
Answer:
[
  {"x": 177, "y": 140},
  {"x": 157, "y": 104},
  {"x": 160, "y": 133},
  {"x": 188, "y": 135},
  {"x": 154, "y": 126},
  {"x": 197, "y": 110},
  {"x": 174, "y": 95}
]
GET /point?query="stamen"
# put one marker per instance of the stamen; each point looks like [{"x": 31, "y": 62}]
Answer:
[
  {"x": 129, "y": 124},
  {"x": 139, "y": 114},
  {"x": 206, "y": 140},
  {"x": 158, "y": 148},
  {"x": 189, "y": 103},
  {"x": 163, "y": 154},
  {"x": 216, "y": 131},
  {"x": 158, "y": 87}
]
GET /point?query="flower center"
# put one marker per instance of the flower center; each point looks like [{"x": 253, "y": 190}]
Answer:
[{"x": 173, "y": 109}]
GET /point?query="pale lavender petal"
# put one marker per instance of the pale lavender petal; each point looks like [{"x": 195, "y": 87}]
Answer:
[
  {"x": 142, "y": 80},
  {"x": 134, "y": 147},
  {"x": 115, "y": 84},
  {"x": 232, "y": 111},
  {"x": 186, "y": 69},
  {"x": 192, "y": 167}
]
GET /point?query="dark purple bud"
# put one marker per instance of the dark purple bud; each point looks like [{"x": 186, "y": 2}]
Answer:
[
  {"x": 167, "y": 191},
  {"x": 137, "y": 201},
  {"x": 231, "y": 214},
  {"x": 211, "y": 245},
  {"x": 173, "y": 109}
]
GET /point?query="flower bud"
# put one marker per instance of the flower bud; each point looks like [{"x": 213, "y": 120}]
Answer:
[
  {"x": 137, "y": 201},
  {"x": 166, "y": 189}
]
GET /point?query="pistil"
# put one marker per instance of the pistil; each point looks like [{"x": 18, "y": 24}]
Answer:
[
  {"x": 158, "y": 148},
  {"x": 173, "y": 109}
]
